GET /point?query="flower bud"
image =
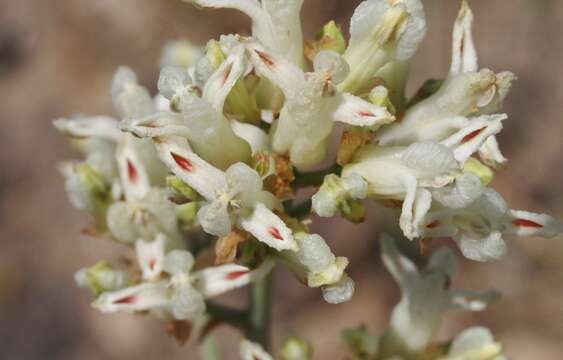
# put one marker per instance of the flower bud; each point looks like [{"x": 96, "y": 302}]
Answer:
[
  {"x": 295, "y": 348},
  {"x": 329, "y": 38},
  {"x": 338, "y": 194},
  {"x": 101, "y": 278}
]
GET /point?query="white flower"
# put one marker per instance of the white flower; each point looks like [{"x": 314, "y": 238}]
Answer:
[
  {"x": 425, "y": 298},
  {"x": 253, "y": 351},
  {"x": 200, "y": 120},
  {"x": 145, "y": 218},
  {"x": 458, "y": 114},
  {"x": 170, "y": 289},
  {"x": 316, "y": 265},
  {"x": 405, "y": 174},
  {"x": 312, "y": 104},
  {"x": 101, "y": 277},
  {"x": 478, "y": 226},
  {"x": 382, "y": 32},
  {"x": 275, "y": 23},
  {"x": 235, "y": 197},
  {"x": 475, "y": 343}
]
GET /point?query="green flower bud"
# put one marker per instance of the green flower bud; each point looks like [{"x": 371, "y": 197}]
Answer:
[
  {"x": 295, "y": 348},
  {"x": 101, "y": 278},
  {"x": 360, "y": 342},
  {"x": 329, "y": 38},
  {"x": 187, "y": 214},
  {"x": 380, "y": 96},
  {"x": 180, "y": 190}
]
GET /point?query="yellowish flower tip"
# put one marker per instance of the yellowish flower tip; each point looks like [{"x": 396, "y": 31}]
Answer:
[
  {"x": 214, "y": 54},
  {"x": 180, "y": 189},
  {"x": 485, "y": 173},
  {"x": 295, "y": 348},
  {"x": 329, "y": 38}
]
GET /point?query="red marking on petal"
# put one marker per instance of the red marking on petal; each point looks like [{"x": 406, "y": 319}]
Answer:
[
  {"x": 152, "y": 263},
  {"x": 236, "y": 274},
  {"x": 365, "y": 114},
  {"x": 526, "y": 223},
  {"x": 433, "y": 224},
  {"x": 182, "y": 162},
  {"x": 126, "y": 300},
  {"x": 150, "y": 125},
  {"x": 132, "y": 172},
  {"x": 265, "y": 58},
  {"x": 227, "y": 74},
  {"x": 471, "y": 135},
  {"x": 275, "y": 233}
]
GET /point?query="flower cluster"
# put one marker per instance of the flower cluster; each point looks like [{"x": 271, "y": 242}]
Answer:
[{"x": 201, "y": 179}]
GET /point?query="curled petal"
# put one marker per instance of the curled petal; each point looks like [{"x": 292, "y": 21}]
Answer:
[
  {"x": 257, "y": 138},
  {"x": 471, "y": 138},
  {"x": 490, "y": 153},
  {"x": 268, "y": 228},
  {"x": 415, "y": 207}
]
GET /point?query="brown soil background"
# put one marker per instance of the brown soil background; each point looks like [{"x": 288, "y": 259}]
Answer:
[{"x": 57, "y": 58}]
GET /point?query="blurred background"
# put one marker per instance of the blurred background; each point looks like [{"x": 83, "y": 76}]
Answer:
[{"x": 57, "y": 58}]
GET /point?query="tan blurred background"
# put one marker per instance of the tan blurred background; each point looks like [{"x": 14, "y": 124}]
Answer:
[{"x": 57, "y": 58}]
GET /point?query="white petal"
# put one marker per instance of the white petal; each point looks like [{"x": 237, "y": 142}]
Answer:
[
  {"x": 215, "y": 219},
  {"x": 429, "y": 159},
  {"x": 193, "y": 170},
  {"x": 133, "y": 174},
  {"x": 151, "y": 256},
  {"x": 130, "y": 99},
  {"x": 178, "y": 262},
  {"x": 490, "y": 153},
  {"x": 333, "y": 64},
  {"x": 416, "y": 204},
  {"x": 156, "y": 125},
  {"x": 268, "y": 228},
  {"x": 469, "y": 139},
  {"x": 243, "y": 181},
  {"x": 220, "y": 84},
  {"x": 257, "y": 138},
  {"x": 523, "y": 223},
  {"x": 97, "y": 126},
  {"x": 314, "y": 253},
  {"x": 466, "y": 189},
  {"x": 475, "y": 343},
  {"x": 172, "y": 80},
  {"x": 187, "y": 303},
  {"x": 253, "y": 351},
  {"x": 401, "y": 268},
  {"x": 464, "y": 55},
  {"x": 281, "y": 72},
  {"x": 146, "y": 296},
  {"x": 473, "y": 300},
  {"x": 355, "y": 111},
  {"x": 213, "y": 281},
  {"x": 485, "y": 248},
  {"x": 340, "y": 292}
]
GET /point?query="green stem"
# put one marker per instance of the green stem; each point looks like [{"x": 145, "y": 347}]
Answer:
[
  {"x": 235, "y": 317},
  {"x": 261, "y": 311},
  {"x": 314, "y": 178}
]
